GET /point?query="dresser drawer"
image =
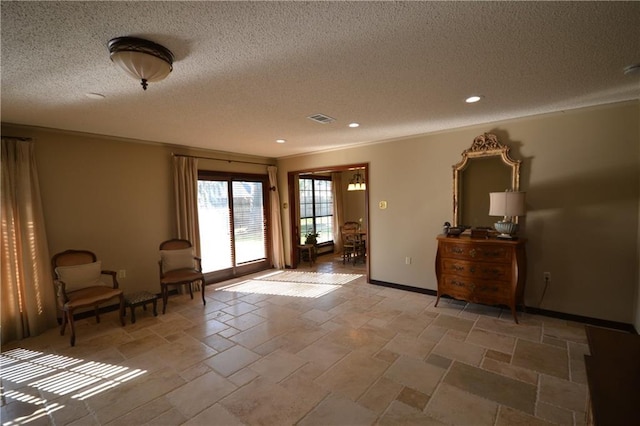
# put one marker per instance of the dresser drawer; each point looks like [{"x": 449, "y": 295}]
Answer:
[
  {"x": 476, "y": 290},
  {"x": 486, "y": 270},
  {"x": 456, "y": 287},
  {"x": 477, "y": 252}
]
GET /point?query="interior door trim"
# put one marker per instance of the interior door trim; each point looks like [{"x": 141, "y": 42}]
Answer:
[{"x": 293, "y": 202}]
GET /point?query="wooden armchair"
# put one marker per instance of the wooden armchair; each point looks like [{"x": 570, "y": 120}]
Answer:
[
  {"x": 179, "y": 266},
  {"x": 78, "y": 280}
]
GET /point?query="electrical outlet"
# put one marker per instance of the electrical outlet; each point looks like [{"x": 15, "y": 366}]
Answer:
[
  {"x": 407, "y": 261},
  {"x": 122, "y": 273},
  {"x": 546, "y": 276}
]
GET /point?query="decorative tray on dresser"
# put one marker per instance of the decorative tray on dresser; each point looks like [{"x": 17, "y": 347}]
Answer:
[{"x": 491, "y": 271}]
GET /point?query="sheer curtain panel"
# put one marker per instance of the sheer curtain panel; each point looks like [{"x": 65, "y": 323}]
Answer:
[
  {"x": 338, "y": 207},
  {"x": 185, "y": 182},
  {"x": 276, "y": 218},
  {"x": 28, "y": 300}
]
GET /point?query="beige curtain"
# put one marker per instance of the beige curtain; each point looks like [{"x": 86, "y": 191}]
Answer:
[
  {"x": 28, "y": 300},
  {"x": 276, "y": 219},
  {"x": 338, "y": 207},
  {"x": 185, "y": 184}
]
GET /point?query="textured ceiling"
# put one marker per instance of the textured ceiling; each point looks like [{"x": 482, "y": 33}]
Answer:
[{"x": 247, "y": 73}]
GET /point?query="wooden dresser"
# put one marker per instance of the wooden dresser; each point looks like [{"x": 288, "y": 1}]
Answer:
[{"x": 490, "y": 271}]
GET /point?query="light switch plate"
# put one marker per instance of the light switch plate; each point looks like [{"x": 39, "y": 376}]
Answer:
[{"x": 382, "y": 205}]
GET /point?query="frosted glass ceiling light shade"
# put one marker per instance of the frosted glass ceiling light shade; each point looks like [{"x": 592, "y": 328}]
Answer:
[{"x": 142, "y": 59}]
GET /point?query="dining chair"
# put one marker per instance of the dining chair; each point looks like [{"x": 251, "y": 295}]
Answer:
[{"x": 352, "y": 243}]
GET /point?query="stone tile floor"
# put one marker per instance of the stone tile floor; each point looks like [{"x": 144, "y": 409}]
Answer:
[{"x": 351, "y": 354}]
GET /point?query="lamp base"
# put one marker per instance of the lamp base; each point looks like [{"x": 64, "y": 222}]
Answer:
[
  {"x": 507, "y": 229},
  {"x": 506, "y": 237}
]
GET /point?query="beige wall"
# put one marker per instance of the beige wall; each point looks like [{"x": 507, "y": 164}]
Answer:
[
  {"x": 637, "y": 305},
  {"x": 580, "y": 170},
  {"x": 112, "y": 197},
  {"x": 581, "y": 173}
]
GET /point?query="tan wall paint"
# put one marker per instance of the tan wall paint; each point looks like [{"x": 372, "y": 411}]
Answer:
[
  {"x": 112, "y": 197},
  {"x": 580, "y": 169},
  {"x": 636, "y": 321},
  {"x": 581, "y": 172}
]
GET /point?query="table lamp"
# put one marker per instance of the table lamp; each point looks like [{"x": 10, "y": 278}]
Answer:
[{"x": 508, "y": 204}]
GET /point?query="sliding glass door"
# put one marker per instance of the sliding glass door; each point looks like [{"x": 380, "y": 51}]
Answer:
[{"x": 232, "y": 212}]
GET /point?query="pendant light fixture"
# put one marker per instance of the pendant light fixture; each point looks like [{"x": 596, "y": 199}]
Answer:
[
  {"x": 357, "y": 183},
  {"x": 142, "y": 59}
]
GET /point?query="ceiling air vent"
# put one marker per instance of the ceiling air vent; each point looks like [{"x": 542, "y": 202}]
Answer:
[{"x": 321, "y": 118}]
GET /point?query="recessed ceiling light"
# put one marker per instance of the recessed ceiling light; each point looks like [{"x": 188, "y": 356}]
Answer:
[
  {"x": 94, "y": 95},
  {"x": 472, "y": 99},
  {"x": 354, "y": 125},
  {"x": 280, "y": 140}
]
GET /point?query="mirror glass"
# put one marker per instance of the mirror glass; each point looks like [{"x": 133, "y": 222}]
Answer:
[{"x": 485, "y": 167}]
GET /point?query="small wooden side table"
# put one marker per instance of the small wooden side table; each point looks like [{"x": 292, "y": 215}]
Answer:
[
  {"x": 310, "y": 248},
  {"x": 140, "y": 298}
]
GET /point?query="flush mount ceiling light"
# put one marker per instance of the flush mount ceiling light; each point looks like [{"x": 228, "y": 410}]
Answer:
[
  {"x": 633, "y": 69},
  {"x": 142, "y": 59}
]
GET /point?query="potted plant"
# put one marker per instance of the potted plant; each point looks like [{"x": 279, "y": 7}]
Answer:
[{"x": 312, "y": 238}]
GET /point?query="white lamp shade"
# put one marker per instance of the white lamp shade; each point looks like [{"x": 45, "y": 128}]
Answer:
[
  {"x": 357, "y": 187},
  {"x": 507, "y": 203},
  {"x": 142, "y": 66}
]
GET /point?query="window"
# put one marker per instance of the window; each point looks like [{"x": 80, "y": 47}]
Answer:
[
  {"x": 232, "y": 216},
  {"x": 316, "y": 208}
]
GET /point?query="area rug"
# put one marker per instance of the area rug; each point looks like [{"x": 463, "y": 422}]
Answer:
[{"x": 309, "y": 277}]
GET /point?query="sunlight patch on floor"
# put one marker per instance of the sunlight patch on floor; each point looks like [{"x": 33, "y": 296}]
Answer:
[
  {"x": 309, "y": 277},
  {"x": 281, "y": 288},
  {"x": 23, "y": 370}
]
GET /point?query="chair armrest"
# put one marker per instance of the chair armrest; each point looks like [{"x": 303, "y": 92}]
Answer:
[
  {"x": 113, "y": 275},
  {"x": 198, "y": 263},
  {"x": 61, "y": 292}
]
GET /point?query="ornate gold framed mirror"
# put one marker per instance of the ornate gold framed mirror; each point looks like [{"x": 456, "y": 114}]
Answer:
[{"x": 485, "y": 167}]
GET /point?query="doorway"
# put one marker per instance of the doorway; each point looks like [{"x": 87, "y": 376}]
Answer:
[{"x": 355, "y": 206}]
